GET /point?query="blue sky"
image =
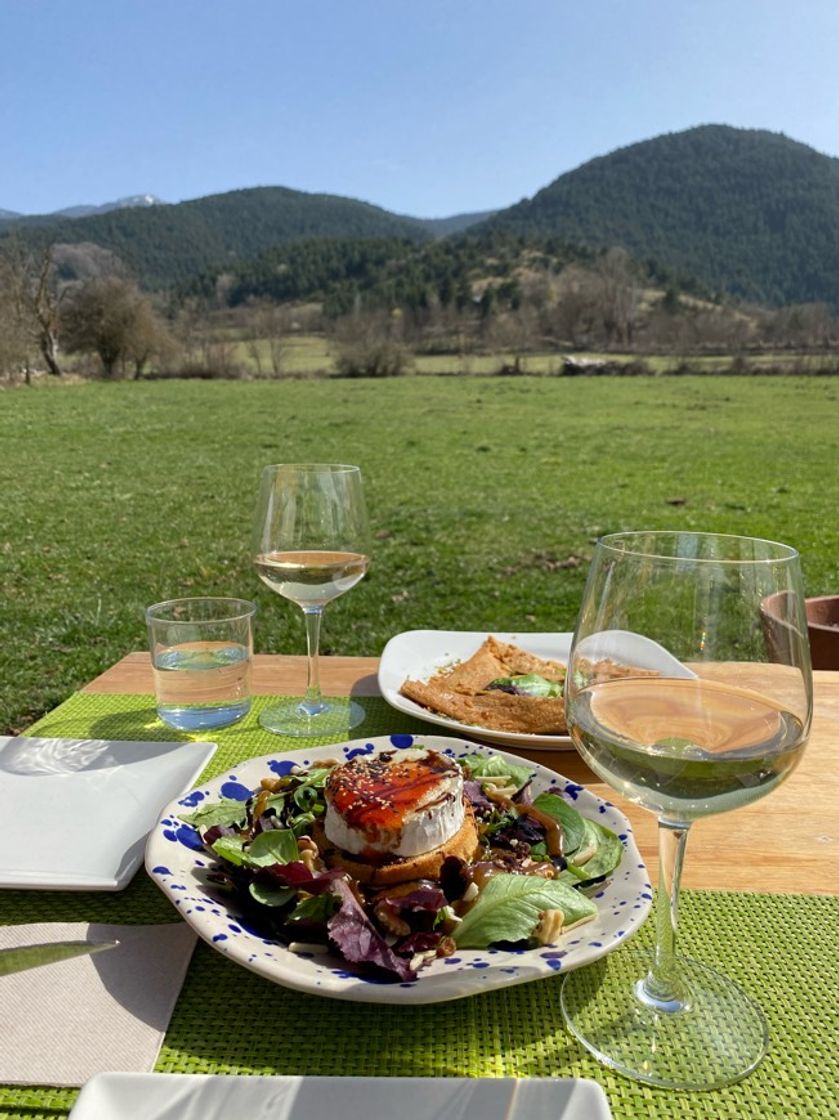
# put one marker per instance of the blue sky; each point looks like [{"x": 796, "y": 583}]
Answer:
[{"x": 427, "y": 107}]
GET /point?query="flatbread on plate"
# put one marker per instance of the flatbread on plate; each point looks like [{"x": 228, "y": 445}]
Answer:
[{"x": 461, "y": 693}]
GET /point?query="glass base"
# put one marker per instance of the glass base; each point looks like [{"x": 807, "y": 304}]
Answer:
[
  {"x": 716, "y": 1038},
  {"x": 197, "y": 717},
  {"x": 330, "y": 718}
]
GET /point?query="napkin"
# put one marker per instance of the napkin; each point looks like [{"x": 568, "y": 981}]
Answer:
[{"x": 62, "y": 1023}]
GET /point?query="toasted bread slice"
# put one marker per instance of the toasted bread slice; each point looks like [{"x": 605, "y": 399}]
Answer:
[{"x": 463, "y": 844}]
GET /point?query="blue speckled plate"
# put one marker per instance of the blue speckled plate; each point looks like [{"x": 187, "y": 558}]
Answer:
[{"x": 178, "y": 865}]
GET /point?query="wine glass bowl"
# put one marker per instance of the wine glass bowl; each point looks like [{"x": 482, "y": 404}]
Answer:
[
  {"x": 721, "y": 724},
  {"x": 311, "y": 544}
]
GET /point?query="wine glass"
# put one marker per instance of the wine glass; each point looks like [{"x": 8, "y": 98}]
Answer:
[
  {"x": 312, "y": 544},
  {"x": 689, "y": 691}
]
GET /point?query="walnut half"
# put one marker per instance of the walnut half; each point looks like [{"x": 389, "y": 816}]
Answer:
[{"x": 550, "y": 926}]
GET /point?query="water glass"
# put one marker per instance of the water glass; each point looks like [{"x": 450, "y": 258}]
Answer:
[{"x": 201, "y": 652}]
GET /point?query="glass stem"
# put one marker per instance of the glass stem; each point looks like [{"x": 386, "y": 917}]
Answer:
[
  {"x": 661, "y": 988},
  {"x": 313, "y": 701}
]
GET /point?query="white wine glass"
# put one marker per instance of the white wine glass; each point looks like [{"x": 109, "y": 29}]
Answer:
[
  {"x": 312, "y": 544},
  {"x": 689, "y": 692}
]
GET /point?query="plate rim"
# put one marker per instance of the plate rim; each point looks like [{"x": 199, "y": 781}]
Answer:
[
  {"x": 409, "y": 707},
  {"x": 587, "y": 1095},
  {"x": 482, "y": 977}
]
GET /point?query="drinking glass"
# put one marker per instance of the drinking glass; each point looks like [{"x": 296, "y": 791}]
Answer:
[
  {"x": 201, "y": 651},
  {"x": 312, "y": 544},
  {"x": 689, "y": 696}
]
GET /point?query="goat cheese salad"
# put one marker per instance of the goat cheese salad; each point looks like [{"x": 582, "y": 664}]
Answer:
[{"x": 528, "y": 880}]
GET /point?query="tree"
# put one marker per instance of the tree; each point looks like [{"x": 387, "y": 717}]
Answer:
[
  {"x": 619, "y": 295},
  {"x": 15, "y": 335},
  {"x": 32, "y": 295},
  {"x": 109, "y": 316},
  {"x": 368, "y": 345},
  {"x": 573, "y": 318}
]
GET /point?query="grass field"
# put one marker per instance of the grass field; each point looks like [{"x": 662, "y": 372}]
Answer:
[{"x": 486, "y": 495}]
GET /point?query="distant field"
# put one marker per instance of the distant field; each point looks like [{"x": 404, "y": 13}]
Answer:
[
  {"x": 486, "y": 495},
  {"x": 309, "y": 354}
]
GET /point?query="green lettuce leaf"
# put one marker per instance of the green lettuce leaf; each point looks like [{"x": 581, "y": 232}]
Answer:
[
  {"x": 318, "y": 908},
  {"x": 509, "y": 906},
  {"x": 493, "y": 766},
  {"x": 276, "y": 846},
  {"x": 227, "y": 811},
  {"x": 528, "y": 684},
  {"x": 606, "y": 850},
  {"x": 231, "y": 848},
  {"x": 573, "y": 824},
  {"x": 270, "y": 895}
]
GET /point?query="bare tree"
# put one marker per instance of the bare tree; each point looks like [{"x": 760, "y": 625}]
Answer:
[
  {"x": 36, "y": 295},
  {"x": 809, "y": 325},
  {"x": 109, "y": 316},
  {"x": 619, "y": 295},
  {"x": 15, "y": 333},
  {"x": 369, "y": 345},
  {"x": 46, "y": 301},
  {"x": 85, "y": 260},
  {"x": 574, "y": 317}
]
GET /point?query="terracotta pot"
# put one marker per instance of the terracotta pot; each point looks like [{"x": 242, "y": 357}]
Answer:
[{"x": 823, "y": 629}]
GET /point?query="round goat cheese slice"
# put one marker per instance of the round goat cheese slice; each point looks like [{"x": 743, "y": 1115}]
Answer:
[{"x": 400, "y": 803}]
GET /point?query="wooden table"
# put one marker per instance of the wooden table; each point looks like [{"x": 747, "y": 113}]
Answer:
[{"x": 787, "y": 842}]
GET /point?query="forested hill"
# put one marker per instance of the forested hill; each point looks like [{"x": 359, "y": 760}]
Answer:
[
  {"x": 165, "y": 245},
  {"x": 719, "y": 209},
  {"x": 747, "y": 212}
]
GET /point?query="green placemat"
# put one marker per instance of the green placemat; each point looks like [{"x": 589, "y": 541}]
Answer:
[{"x": 783, "y": 949}]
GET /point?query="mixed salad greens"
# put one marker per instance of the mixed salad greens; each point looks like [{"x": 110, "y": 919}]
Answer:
[{"x": 528, "y": 884}]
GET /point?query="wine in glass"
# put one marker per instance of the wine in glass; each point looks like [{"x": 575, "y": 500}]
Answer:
[
  {"x": 311, "y": 545},
  {"x": 689, "y": 692}
]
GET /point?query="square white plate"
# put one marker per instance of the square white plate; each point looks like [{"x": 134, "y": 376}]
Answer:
[
  {"x": 76, "y": 812},
  {"x": 419, "y": 654},
  {"x": 163, "y": 1096}
]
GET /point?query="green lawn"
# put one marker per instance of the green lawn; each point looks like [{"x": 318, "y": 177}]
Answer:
[{"x": 481, "y": 491}]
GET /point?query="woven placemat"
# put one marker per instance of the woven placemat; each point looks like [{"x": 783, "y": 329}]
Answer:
[{"x": 783, "y": 949}]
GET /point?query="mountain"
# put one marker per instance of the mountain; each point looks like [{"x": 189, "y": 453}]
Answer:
[
  {"x": 727, "y": 211},
  {"x": 164, "y": 245},
  {"x": 747, "y": 212},
  {"x": 119, "y": 204},
  {"x": 82, "y": 211}
]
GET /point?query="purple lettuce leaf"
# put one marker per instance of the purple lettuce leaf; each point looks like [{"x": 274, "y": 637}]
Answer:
[
  {"x": 521, "y": 830},
  {"x": 358, "y": 941},
  {"x": 476, "y": 797},
  {"x": 422, "y": 899},
  {"x": 420, "y": 942},
  {"x": 297, "y": 874}
]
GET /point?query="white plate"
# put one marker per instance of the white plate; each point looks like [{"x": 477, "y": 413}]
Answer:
[
  {"x": 76, "y": 812},
  {"x": 628, "y": 648},
  {"x": 162, "y": 1096},
  {"x": 178, "y": 864},
  {"x": 419, "y": 654}
]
